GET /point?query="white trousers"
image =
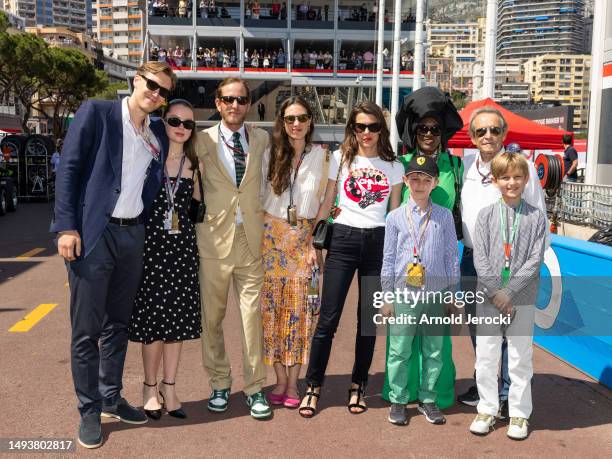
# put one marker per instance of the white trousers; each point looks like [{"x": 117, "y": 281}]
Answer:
[{"x": 520, "y": 365}]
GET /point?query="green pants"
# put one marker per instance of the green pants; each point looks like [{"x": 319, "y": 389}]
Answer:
[{"x": 400, "y": 350}]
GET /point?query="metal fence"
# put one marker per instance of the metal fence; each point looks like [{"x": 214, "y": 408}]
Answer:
[{"x": 583, "y": 204}]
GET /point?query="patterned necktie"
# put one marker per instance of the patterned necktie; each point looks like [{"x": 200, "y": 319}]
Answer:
[{"x": 239, "y": 158}]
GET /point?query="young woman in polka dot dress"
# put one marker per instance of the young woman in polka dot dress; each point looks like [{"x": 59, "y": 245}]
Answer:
[{"x": 167, "y": 308}]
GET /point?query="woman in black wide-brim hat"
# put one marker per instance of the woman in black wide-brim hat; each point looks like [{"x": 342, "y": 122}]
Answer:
[{"x": 426, "y": 121}]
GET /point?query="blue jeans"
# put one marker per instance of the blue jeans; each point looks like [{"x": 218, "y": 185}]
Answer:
[{"x": 468, "y": 283}]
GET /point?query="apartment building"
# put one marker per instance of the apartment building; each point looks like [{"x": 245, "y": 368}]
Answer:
[
  {"x": 528, "y": 28},
  {"x": 59, "y": 13},
  {"x": 118, "y": 27},
  {"x": 564, "y": 79}
]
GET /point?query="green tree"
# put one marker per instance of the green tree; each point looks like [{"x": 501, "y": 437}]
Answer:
[
  {"x": 110, "y": 93},
  {"x": 69, "y": 80},
  {"x": 459, "y": 99},
  {"x": 4, "y": 22}
]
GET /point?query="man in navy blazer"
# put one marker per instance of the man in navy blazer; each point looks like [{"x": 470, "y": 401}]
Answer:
[{"x": 110, "y": 173}]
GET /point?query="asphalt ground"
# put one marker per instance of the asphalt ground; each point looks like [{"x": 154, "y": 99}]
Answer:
[{"x": 572, "y": 413}]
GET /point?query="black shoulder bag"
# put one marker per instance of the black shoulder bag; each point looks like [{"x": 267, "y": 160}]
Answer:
[
  {"x": 322, "y": 233},
  {"x": 197, "y": 209}
]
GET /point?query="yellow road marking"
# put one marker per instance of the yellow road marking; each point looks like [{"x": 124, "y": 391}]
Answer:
[
  {"x": 30, "y": 253},
  {"x": 32, "y": 318}
]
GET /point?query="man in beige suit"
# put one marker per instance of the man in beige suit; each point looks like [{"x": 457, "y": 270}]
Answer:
[{"x": 229, "y": 244}]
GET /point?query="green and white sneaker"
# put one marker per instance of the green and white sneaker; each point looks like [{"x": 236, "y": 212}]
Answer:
[
  {"x": 259, "y": 405},
  {"x": 219, "y": 400},
  {"x": 518, "y": 428}
]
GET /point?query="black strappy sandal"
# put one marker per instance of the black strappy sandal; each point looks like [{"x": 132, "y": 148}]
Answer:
[
  {"x": 360, "y": 390},
  {"x": 308, "y": 411}
]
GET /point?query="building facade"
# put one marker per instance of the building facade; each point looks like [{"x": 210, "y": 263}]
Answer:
[
  {"x": 463, "y": 43},
  {"x": 118, "y": 27},
  {"x": 59, "y": 13},
  {"x": 563, "y": 79},
  {"x": 529, "y": 28}
]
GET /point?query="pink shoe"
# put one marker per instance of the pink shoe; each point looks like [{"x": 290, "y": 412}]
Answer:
[
  {"x": 291, "y": 402},
  {"x": 277, "y": 399}
]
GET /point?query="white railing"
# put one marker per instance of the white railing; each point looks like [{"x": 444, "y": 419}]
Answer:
[{"x": 586, "y": 204}]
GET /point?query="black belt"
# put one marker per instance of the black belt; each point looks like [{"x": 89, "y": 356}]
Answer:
[{"x": 128, "y": 221}]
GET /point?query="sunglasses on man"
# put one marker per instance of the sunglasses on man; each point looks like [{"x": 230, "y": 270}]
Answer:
[
  {"x": 494, "y": 130},
  {"x": 361, "y": 127},
  {"x": 424, "y": 129},
  {"x": 154, "y": 86},
  {"x": 229, "y": 100},
  {"x": 176, "y": 122},
  {"x": 290, "y": 119}
]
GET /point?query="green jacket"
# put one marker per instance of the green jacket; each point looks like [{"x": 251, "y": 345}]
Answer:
[{"x": 444, "y": 193}]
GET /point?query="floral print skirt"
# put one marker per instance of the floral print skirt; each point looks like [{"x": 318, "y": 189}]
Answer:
[{"x": 287, "y": 318}]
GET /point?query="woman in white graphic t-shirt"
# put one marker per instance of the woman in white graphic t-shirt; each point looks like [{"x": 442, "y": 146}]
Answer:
[{"x": 367, "y": 180}]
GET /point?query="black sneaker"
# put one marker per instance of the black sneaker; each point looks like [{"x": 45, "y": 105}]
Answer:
[
  {"x": 90, "y": 431},
  {"x": 470, "y": 398},
  {"x": 432, "y": 413},
  {"x": 503, "y": 410},
  {"x": 397, "y": 414},
  {"x": 125, "y": 412}
]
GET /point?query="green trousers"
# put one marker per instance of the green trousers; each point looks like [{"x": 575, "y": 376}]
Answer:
[{"x": 419, "y": 364}]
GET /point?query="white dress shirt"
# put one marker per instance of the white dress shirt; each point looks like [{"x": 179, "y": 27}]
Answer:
[
  {"x": 134, "y": 164},
  {"x": 476, "y": 195},
  {"x": 226, "y": 155},
  {"x": 305, "y": 191}
]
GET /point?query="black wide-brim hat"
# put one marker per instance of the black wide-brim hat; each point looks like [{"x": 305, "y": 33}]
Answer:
[{"x": 427, "y": 102}]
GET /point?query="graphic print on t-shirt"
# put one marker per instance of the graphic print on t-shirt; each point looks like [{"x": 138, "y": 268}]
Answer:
[{"x": 365, "y": 186}]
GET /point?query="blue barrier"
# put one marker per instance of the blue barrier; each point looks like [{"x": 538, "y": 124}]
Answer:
[{"x": 574, "y": 317}]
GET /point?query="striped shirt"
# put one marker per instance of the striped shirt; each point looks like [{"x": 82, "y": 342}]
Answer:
[
  {"x": 527, "y": 251},
  {"x": 439, "y": 252}
]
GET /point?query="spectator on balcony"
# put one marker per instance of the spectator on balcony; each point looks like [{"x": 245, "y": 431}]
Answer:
[
  {"x": 327, "y": 60},
  {"x": 247, "y": 10},
  {"x": 224, "y": 13},
  {"x": 177, "y": 56},
  {"x": 359, "y": 61},
  {"x": 363, "y": 13},
  {"x": 212, "y": 9},
  {"x": 320, "y": 60},
  {"x": 226, "y": 60},
  {"x": 297, "y": 59},
  {"x": 273, "y": 59},
  {"x": 220, "y": 56},
  {"x": 203, "y": 8},
  {"x": 283, "y": 11},
  {"x": 280, "y": 58},
  {"x": 163, "y": 8},
  {"x": 200, "y": 57},
  {"x": 247, "y": 58},
  {"x": 207, "y": 59},
  {"x": 213, "y": 57},
  {"x": 368, "y": 60},
  {"x": 255, "y": 59},
  {"x": 275, "y": 11},
  {"x": 311, "y": 15},
  {"x": 162, "y": 56},
  {"x": 233, "y": 60},
  {"x": 182, "y": 8},
  {"x": 266, "y": 60},
  {"x": 342, "y": 60},
  {"x": 302, "y": 11},
  {"x": 154, "y": 8},
  {"x": 326, "y": 12},
  {"x": 154, "y": 54},
  {"x": 187, "y": 57},
  {"x": 312, "y": 59},
  {"x": 256, "y": 9}
]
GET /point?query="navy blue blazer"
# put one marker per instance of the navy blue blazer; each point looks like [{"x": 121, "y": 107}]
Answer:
[{"x": 88, "y": 180}]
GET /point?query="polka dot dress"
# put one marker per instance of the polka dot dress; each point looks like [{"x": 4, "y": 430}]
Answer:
[{"x": 167, "y": 306}]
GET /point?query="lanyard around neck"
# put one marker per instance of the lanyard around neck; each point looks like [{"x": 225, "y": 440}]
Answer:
[
  {"x": 486, "y": 179},
  {"x": 295, "y": 174},
  {"x": 508, "y": 240},
  {"x": 420, "y": 238},
  {"x": 231, "y": 147},
  {"x": 171, "y": 189}
]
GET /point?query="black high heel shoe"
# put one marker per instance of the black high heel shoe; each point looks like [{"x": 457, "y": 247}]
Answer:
[
  {"x": 153, "y": 414},
  {"x": 178, "y": 413}
]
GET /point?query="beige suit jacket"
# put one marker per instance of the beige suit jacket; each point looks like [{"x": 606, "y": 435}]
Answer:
[{"x": 216, "y": 234}]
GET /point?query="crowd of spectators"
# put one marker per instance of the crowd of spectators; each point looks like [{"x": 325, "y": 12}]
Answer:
[
  {"x": 351, "y": 59},
  {"x": 275, "y": 10},
  {"x": 265, "y": 59},
  {"x": 184, "y": 9}
]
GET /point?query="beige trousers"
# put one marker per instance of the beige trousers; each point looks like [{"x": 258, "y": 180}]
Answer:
[{"x": 215, "y": 276}]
